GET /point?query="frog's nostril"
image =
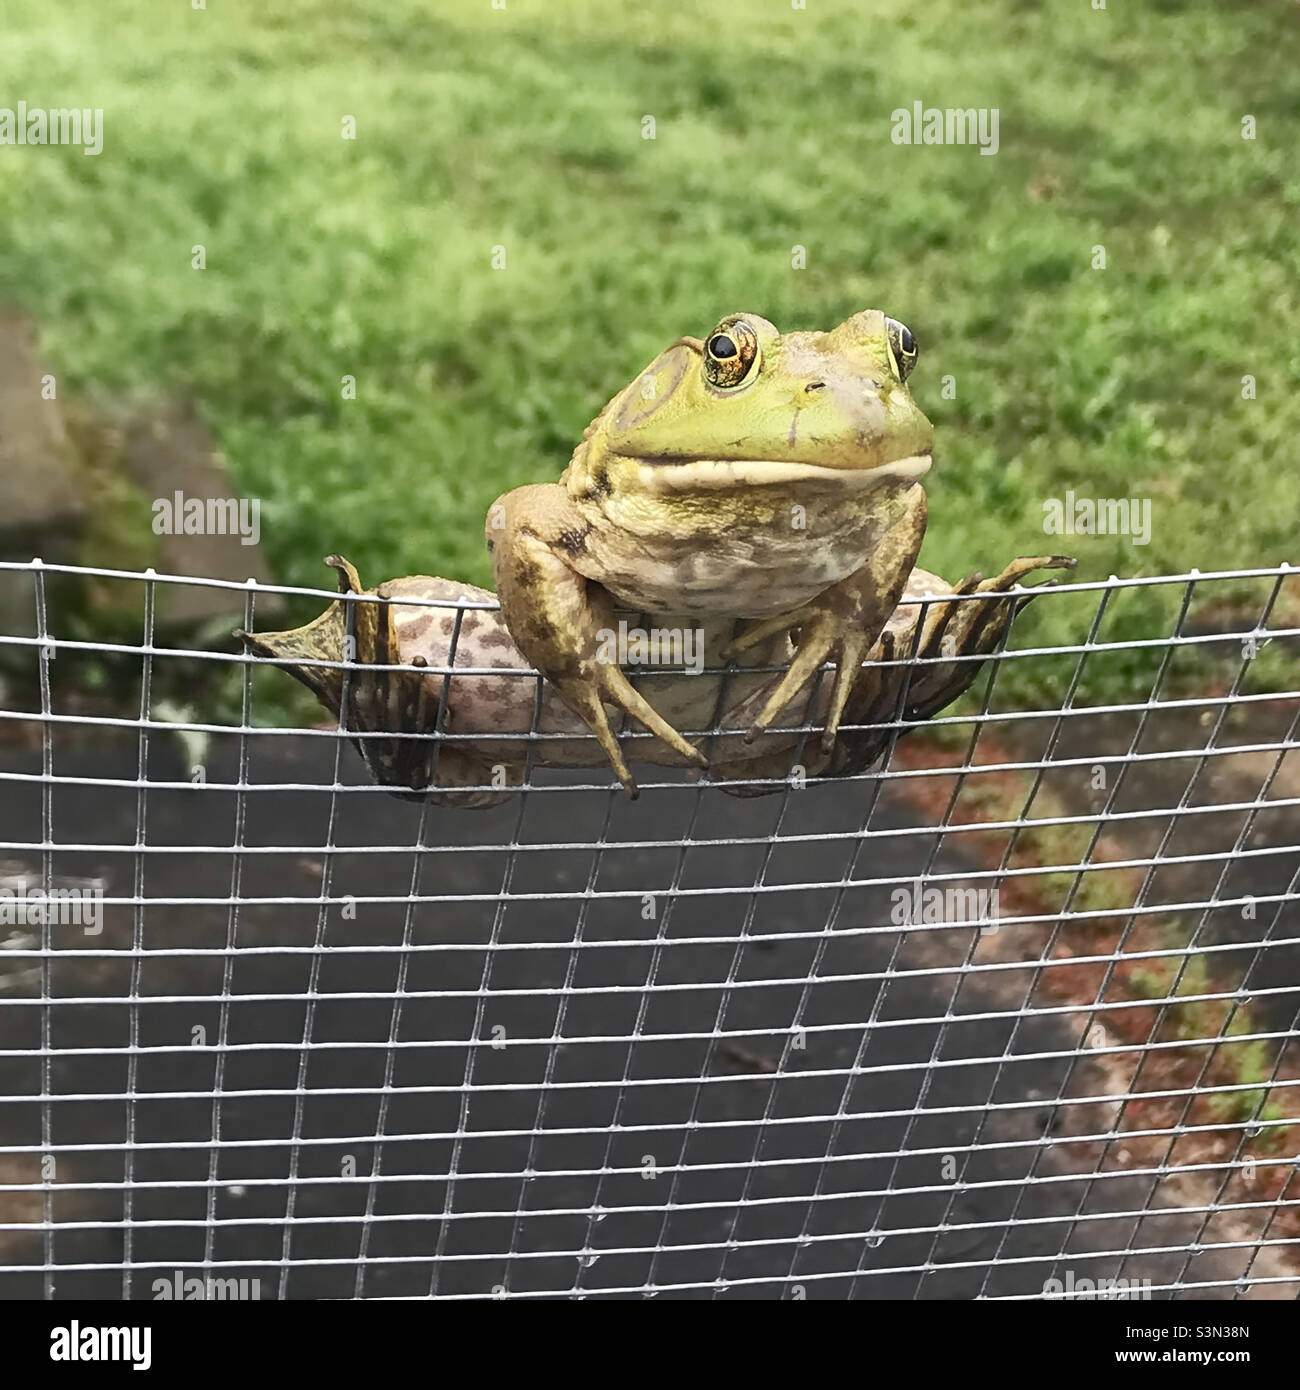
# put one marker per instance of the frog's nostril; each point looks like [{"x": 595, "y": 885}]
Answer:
[{"x": 814, "y": 386}]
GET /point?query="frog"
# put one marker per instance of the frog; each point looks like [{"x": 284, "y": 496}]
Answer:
[
  {"x": 422, "y": 674},
  {"x": 753, "y": 475}
]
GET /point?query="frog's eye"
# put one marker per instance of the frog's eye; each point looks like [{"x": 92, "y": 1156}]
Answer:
[
  {"x": 731, "y": 354},
  {"x": 902, "y": 347}
]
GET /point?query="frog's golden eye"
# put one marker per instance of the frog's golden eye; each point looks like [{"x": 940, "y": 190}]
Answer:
[
  {"x": 902, "y": 347},
  {"x": 731, "y": 354}
]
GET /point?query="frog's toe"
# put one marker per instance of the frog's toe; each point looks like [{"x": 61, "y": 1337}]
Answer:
[
  {"x": 853, "y": 649},
  {"x": 618, "y": 690},
  {"x": 761, "y": 631},
  {"x": 584, "y": 698},
  {"x": 588, "y": 696},
  {"x": 974, "y": 626},
  {"x": 820, "y": 635}
]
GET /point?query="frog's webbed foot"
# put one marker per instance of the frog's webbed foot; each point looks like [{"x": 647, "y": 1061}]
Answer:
[
  {"x": 844, "y": 622},
  {"x": 914, "y": 674},
  {"x": 969, "y": 627},
  {"x": 831, "y": 626},
  {"x": 353, "y": 659},
  {"x": 556, "y": 617}
]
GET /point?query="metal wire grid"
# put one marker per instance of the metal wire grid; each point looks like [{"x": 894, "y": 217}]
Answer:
[{"x": 573, "y": 1048}]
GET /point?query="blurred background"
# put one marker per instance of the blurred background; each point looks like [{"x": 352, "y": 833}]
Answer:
[{"x": 458, "y": 207}]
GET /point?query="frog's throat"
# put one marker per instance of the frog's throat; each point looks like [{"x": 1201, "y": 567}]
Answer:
[{"x": 728, "y": 474}]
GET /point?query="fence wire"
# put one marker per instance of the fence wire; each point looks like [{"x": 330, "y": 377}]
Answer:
[{"x": 1010, "y": 1015}]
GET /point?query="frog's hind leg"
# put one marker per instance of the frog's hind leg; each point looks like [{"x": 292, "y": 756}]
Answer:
[
  {"x": 844, "y": 621},
  {"x": 556, "y": 617}
]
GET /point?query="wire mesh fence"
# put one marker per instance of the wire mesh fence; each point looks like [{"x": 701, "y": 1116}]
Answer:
[{"x": 1010, "y": 1014}]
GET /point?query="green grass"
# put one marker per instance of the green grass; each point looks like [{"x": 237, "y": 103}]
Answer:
[{"x": 523, "y": 128}]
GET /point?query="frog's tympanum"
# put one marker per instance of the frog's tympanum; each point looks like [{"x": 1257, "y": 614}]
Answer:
[{"x": 748, "y": 508}]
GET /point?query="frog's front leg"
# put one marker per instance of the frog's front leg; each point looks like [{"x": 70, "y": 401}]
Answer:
[
  {"x": 845, "y": 621},
  {"x": 555, "y": 616}
]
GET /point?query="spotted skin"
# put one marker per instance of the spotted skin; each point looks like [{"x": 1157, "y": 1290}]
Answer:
[{"x": 481, "y": 748}]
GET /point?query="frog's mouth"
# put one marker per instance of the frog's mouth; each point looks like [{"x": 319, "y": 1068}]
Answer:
[{"x": 726, "y": 474}]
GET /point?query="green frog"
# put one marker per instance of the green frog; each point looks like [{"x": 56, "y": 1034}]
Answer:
[{"x": 749, "y": 474}]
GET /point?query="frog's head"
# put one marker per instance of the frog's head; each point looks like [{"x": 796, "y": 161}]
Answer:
[{"x": 747, "y": 405}]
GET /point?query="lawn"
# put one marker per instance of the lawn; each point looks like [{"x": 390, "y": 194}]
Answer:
[{"x": 500, "y": 249}]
